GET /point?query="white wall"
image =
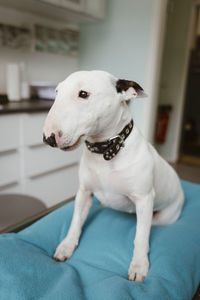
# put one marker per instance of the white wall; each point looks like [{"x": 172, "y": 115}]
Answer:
[
  {"x": 128, "y": 45},
  {"x": 41, "y": 66}
]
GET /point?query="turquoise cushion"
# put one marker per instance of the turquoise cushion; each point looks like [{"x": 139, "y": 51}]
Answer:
[{"x": 98, "y": 268}]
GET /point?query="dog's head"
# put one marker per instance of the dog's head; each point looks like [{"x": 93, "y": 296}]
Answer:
[{"x": 86, "y": 103}]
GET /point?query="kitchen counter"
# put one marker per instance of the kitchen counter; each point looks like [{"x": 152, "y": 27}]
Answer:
[{"x": 32, "y": 105}]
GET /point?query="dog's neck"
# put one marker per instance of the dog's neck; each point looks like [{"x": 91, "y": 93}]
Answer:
[{"x": 116, "y": 125}]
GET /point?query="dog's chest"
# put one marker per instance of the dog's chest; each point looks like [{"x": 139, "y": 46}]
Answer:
[
  {"x": 115, "y": 201},
  {"x": 110, "y": 186}
]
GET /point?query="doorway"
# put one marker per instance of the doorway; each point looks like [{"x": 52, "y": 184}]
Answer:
[
  {"x": 180, "y": 42},
  {"x": 190, "y": 131}
]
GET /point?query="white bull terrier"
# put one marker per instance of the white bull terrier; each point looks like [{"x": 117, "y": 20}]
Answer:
[{"x": 118, "y": 165}]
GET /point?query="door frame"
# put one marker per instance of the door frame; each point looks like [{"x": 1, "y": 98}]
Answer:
[{"x": 153, "y": 68}]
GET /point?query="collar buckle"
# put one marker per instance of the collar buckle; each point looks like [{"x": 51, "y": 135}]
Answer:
[{"x": 122, "y": 144}]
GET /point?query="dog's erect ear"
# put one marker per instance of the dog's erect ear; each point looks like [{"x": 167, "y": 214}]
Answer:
[{"x": 129, "y": 89}]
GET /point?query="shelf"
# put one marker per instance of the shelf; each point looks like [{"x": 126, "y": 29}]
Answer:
[{"x": 48, "y": 10}]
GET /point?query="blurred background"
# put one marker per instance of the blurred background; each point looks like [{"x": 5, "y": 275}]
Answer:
[{"x": 153, "y": 42}]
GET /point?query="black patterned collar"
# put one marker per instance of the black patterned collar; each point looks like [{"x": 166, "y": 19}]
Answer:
[{"x": 112, "y": 146}]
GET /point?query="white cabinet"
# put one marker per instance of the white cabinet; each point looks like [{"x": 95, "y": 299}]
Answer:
[
  {"x": 43, "y": 159},
  {"x": 28, "y": 166},
  {"x": 76, "y": 11},
  {"x": 53, "y": 187},
  {"x": 95, "y": 8},
  {"x": 76, "y": 5},
  {"x": 10, "y": 168},
  {"x": 33, "y": 128},
  {"x": 9, "y": 132},
  {"x": 9, "y": 153}
]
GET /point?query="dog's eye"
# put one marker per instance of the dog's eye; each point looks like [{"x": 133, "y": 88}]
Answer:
[{"x": 83, "y": 94}]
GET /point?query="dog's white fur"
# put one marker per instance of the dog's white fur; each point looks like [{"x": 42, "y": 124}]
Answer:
[{"x": 136, "y": 180}]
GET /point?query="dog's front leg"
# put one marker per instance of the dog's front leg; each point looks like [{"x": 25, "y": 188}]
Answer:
[
  {"x": 82, "y": 206},
  {"x": 140, "y": 264}
]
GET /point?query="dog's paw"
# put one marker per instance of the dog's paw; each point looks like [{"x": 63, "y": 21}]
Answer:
[
  {"x": 138, "y": 270},
  {"x": 64, "y": 251}
]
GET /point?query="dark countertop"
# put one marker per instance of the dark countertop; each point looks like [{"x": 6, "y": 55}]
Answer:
[{"x": 29, "y": 106}]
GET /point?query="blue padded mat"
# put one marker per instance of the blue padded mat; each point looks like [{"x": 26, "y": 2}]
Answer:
[{"x": 98, "y": 268}]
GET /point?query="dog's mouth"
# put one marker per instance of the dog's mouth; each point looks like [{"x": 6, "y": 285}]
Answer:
[{"x": 74, "y": 146}]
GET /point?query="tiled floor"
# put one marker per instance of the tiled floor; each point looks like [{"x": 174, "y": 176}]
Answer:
[{"x": 188, "y": 172}]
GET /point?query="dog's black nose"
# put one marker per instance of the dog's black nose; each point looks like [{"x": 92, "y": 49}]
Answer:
[{"x": 51, "y": 141}]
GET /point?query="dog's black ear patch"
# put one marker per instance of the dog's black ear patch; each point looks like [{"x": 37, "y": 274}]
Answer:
[{"x": 124, "y": 85}]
